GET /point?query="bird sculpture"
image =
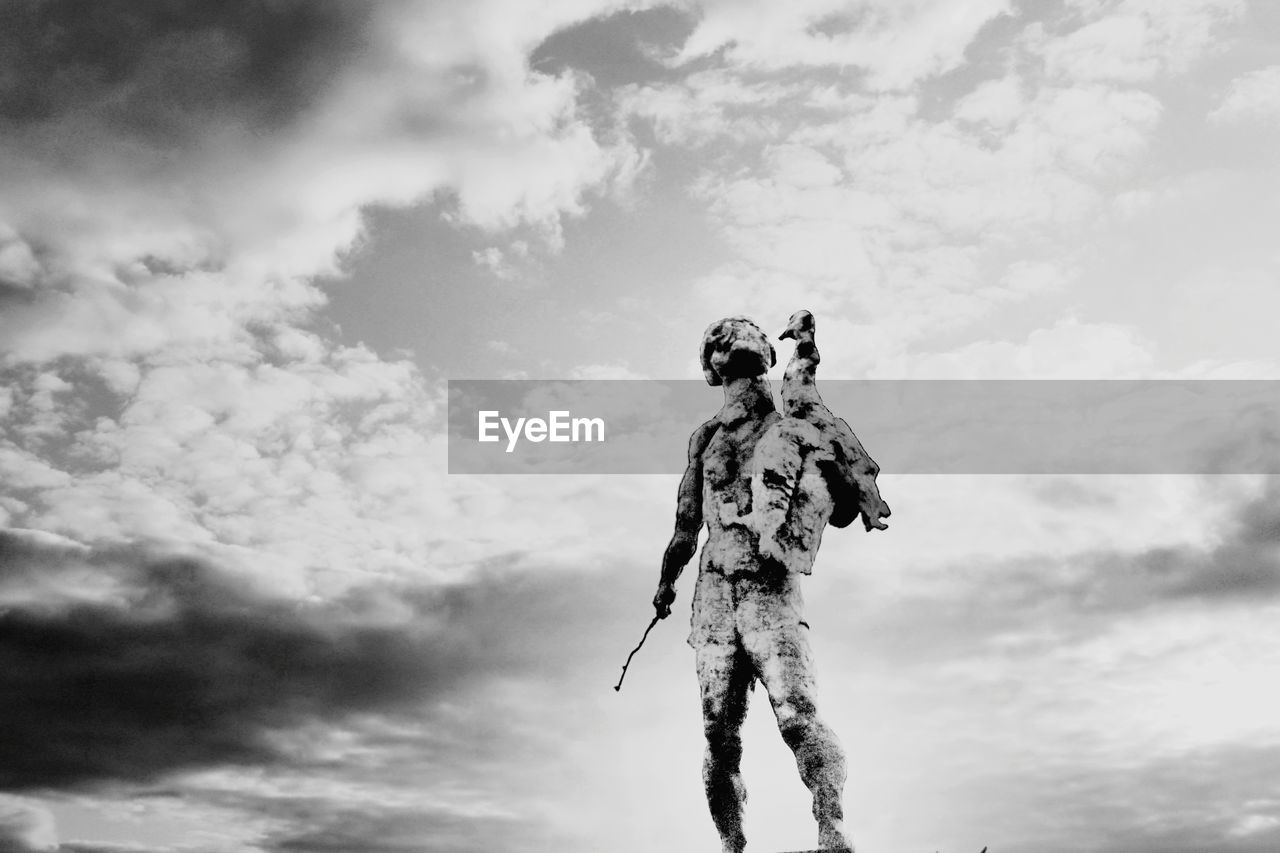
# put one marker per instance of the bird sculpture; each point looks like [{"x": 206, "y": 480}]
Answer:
[{"x": 809, "y": 469}]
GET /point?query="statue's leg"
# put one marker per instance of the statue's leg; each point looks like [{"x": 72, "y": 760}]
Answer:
[
  {"x": 778, "y": 645},
  {"x": 724, "y": 676}
]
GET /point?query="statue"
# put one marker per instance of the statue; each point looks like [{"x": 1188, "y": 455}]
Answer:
[{"x": 765, "y": 485}]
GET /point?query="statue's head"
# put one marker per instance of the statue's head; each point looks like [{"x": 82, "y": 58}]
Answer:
[
  {"x": 801, "y": 323},
  {"x": 735, "y": 347}
]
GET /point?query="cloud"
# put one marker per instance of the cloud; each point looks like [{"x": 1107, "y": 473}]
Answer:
[
  {"x": 940, "y": 195},
  {"x": 172, "y": 170},
  {"x": 362, "y": 653},
  {"x": 1133, "y": 41},
  {"x": 625, "y": 46},
  {"x": 503, "y": 264},
  {"x": 897, "y": 44},
  {"x": 1252, "y": 98},
  {"x": 604, "y": 371},
  {"x": 1190, "y": 802},
  {"x": 186, "y": 671},
  {"x": 1033, "y": 677},
  {"x": 1077, "y": 559},
  {"x": 998, "y": 102},
  {"x": 1067, "y": 350},
  {"x": 317, "y": 468},
  {"x": 25, "y": 826},
  {"x": 82, "y": 847},
  {"x": 18, "y": 265},
  {"x": 898, "y": 210},
  {"x": 191, "y": 696},
  {"x": 401, "y": 831},
  {"x": 1243, "y": 565},
  {"x": 184, "y": 451},
  {"x": 166, "y": 375},
  {"x": 144, "y": 61},
  {"x": 907, "y": 224},
  {"x": 179, "y": 665}
]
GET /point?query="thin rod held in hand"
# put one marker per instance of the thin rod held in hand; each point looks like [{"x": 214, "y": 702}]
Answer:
[{"x": 618, "y": 686}]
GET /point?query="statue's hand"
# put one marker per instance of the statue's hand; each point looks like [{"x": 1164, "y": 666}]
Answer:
[{"x": 662, "y": 599}]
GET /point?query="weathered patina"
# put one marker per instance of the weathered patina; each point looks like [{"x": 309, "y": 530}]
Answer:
[{"x": 750, "y": 469}]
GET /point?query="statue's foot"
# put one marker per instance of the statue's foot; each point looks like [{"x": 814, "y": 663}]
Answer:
[
  {"x": 831, "y": 836},
  {"x": 734, "y": 844}
]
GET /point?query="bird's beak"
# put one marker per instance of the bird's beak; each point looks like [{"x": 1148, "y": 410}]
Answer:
[{"x": 790, "y": 332}]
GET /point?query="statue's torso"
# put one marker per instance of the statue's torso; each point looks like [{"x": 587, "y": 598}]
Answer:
[
  {"x": 736, "y": 591},
  {"x": 731, "y": 547}
]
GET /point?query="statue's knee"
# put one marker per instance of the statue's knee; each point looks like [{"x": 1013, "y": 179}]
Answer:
[
  {"x": 722, "y": 737},
  {"x": 796, "y": 722}
]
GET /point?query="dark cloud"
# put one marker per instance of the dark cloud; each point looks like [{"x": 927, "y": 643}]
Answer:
[
  {"x": 337, "y": 830},
  {"x": 22, "y": 556},
  {"x": 81, "y": 847},
  {"x": 617, "y": 49},
  {"x": 1061, "y": 597},
  {"x": 1224, "y": 798},
  {"x": 192, "y": 673},
  {"x": 1243, "y": 564},
  {"x": 149, "y": 65},
  {"x": 12, "y": 841},
  {"x": 184, "y": 668}
]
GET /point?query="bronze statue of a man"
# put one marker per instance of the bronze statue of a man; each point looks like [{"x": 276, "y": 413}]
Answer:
[{"x": 747, "y": 610}]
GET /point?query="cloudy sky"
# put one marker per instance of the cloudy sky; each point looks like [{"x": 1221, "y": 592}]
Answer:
[{"x": 244, "y": 245}]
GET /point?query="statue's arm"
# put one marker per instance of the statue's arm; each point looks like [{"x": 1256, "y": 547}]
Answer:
[
  {"x": 684, "y": 540},
  {"x": 851, "y": 478}
]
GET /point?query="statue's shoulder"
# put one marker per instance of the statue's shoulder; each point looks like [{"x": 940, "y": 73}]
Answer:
[{"x": 701, "y": 437}]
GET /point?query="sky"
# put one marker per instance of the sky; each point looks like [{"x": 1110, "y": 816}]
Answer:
[{"x": 244, "y": 246}]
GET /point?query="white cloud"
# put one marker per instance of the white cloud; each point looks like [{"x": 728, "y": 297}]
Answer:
[
  {"x": 604, "y": 371},
  {"x": 18, "y": 264},
  {"x": 800, "y": 166},
  {"x": 215, "y": 415},
  {"x": 1252, "y": 97},
  {"x": 707, "y": 105},
  {"x": 900, "y": 215},
  {"x": 26, "y": 826},
  {"x": 1068, "y": 350},
  {"x": 907, "y": 214},
  {"x": 998, "y": 102},
  {"x": 152, "y": 244},
  {"x": 187, "y": 397},
  {"x": 1132, "y": 41},
  {"x": 898, "y": 44},
  {"x": 904, "y": 220},
  {"x": 25, "y": 470},
  {"x": 505, "y": 264},
  {"x": 1252, "y": 824},
  {"x": 311, "y": 470},
  {"x": 1097, "y": 130}
]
